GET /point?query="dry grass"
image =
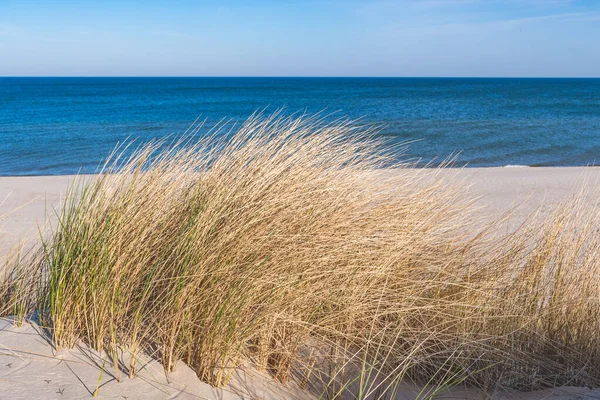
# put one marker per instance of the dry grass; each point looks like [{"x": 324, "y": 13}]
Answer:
[
  {"x": 545, "y": 284},
  {"x": 21, "y": 281},
  {"x": 286, "y": 247}
]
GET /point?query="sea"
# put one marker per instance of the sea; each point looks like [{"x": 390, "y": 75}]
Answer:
[{"x": 54, "y": 126}]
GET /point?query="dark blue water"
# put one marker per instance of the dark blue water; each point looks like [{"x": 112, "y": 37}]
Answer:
[{"x": 66, "y": 125}]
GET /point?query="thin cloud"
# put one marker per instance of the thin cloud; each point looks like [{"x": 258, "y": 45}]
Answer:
[
  {"x": 465, "y": 27},
  {"x": 572, "y": 16},
  {"x": 8, "y": 30},
  {"x": 173, "y": 34}
]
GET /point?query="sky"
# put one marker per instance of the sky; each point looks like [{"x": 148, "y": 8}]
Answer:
[{"x": 528, "y": 38}]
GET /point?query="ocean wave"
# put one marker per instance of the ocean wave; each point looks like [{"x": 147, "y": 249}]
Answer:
[{"x": 516, "y": 166}]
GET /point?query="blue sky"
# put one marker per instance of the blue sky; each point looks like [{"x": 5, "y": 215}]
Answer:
[{"x": 300, "y": 38}]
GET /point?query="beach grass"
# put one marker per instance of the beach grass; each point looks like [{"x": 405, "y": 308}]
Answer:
[{"x": 302, "y": 248}]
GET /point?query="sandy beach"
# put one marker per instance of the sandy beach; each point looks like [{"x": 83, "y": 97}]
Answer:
[
  {"x": 24, "y": 201},
  {"x": 31, "y": 368}
]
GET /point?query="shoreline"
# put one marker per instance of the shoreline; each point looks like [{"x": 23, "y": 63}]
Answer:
[{"x": 425, "y": 166}]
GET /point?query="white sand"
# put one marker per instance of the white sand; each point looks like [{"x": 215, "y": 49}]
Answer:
[
  {"x": 31, "y": 368},
  {"x": 24, "y": 201}
]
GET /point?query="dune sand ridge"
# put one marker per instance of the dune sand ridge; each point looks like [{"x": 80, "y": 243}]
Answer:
[{"x": 31, "y": 368}]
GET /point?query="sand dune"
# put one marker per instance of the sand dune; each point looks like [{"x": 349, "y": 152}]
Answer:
[{"x": 31, "y": 368}]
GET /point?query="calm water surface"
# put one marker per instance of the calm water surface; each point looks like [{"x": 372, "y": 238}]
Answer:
[{"x": 67, "y": 125}]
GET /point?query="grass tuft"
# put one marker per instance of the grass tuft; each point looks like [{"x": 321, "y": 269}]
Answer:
[{"x": 301, "y": 248}]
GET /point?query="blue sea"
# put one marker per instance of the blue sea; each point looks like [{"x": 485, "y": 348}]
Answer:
[{"x": 52, "y": 126}]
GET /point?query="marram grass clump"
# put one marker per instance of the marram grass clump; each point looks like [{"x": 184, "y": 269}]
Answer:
[
  {"x": 245, "y": 248},
  {"x": 301, "y": 248}
]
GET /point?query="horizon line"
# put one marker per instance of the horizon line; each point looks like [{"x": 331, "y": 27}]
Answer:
[{"x": 302, "y": 76}]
